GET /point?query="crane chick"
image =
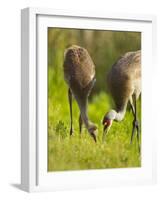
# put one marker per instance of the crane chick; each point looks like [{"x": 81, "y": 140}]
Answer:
[
  {"x": 124, "y": 81},
  {"x": 79, "y": 73}
]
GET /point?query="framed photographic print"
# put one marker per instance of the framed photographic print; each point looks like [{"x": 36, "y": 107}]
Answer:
[{"x": 85, "y": 106}]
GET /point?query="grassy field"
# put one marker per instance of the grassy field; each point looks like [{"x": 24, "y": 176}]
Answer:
[{"x": 80, "y": 151}]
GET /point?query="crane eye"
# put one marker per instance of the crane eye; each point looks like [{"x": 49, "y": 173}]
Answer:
[{"x": 107, "y": 122}]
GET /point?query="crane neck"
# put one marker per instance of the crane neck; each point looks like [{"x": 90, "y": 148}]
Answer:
[
  {"x": 84, "y": 116},
  {"x": 120, "y": 115},
  {"x": 82, "y": 103}
]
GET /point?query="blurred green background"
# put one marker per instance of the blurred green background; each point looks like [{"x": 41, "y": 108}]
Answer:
[{"x": 80, "y": 152}]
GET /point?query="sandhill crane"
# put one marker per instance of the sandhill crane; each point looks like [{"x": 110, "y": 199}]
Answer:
[
  {"x": 124, "y": 81},
  {"x": 79, "y": 73}
]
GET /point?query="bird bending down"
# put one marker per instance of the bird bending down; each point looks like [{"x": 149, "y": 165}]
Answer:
[
  {"x": 124, "y": 81},
  {"x": 79, "y": 73}
]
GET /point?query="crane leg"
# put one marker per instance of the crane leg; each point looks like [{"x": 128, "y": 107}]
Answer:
[
  {"x": 70, "y": 106},
  {"x": 135, "y": 123},
  {"x": 80, "y": 123},
  {"x": 138, "y": 137},
  {"x": 132, "y": 107},
  {"x": 133, "y": 112}
]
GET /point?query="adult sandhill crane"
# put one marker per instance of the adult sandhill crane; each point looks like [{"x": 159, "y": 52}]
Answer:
[
  {"x": 124, "y": 81},
  {"x": 79, "y": 73}
]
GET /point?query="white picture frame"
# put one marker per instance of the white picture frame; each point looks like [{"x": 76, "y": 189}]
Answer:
[{"x": 34, "y": 175}]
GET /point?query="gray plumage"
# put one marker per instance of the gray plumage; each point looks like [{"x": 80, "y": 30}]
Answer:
[
  {"x": 78, "y": 66},
  {"x": 124, "y": 79},
  {"x": 124, "y": 82},
  {"x": 79, "y": 73}
]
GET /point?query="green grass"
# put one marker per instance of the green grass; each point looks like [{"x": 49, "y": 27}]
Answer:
[{"x": 80, "y": 151}]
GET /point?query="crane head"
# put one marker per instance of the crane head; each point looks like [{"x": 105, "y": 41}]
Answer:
[{"x": 107, "y": 122}]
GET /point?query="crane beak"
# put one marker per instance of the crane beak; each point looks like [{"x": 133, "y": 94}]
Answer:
[
  {"x": 105, "y": 131},
  {"x": 93, "y": 132},
  {"x": 94, "y": 137}
]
